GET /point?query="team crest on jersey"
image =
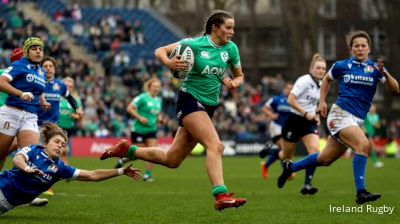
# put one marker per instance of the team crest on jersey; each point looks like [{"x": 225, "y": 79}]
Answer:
[
  {"x": 224, "y": 56},
  {"x": 6, "y": 125},
  {"x": 349, "y": 65},
  {"x": 30, "y": 77},
  {"x": 56, "y": 87},
  {"x": 368, "y": 69},
  {"x": 346, "y": 78},
  {"x": 53, "y": 168}
]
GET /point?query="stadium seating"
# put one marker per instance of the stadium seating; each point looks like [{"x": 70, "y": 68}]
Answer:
[{"x": 155, "y": 33}]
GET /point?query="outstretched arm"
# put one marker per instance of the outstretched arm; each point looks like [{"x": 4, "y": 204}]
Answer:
[
  {"x": 391, "y": 82},
  {"x": 19, "y": 161},
  {"x": 104, "y": 174}
]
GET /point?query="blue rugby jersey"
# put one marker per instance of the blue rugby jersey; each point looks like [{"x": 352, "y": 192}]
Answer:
[
  {"x": 26, "y": 77},
  {"x": 52, "y": 93},
  {"x": 279, "y": 105},
  {"x": 20, "y": 187},
  {"x": 357, "y": 85}
]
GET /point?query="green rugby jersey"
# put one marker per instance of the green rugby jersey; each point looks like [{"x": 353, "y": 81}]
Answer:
[
  {"x": 210, "y": 62},
  {"x": 64, "y": 119},
  {"x": 3, "y": 95},
  {"x": 148, "y": 107}
]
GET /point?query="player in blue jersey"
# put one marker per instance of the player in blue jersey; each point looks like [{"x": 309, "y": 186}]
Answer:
[
  {"x": 24, "y": 82},
  {"x": 54, "y": 89},
  {"x": 277, "y": 110},
  {"x": 358, "y": 78},
  {"x": 197, "y": 100},
  {"x": 303, "y": 120},
  {"x": 37, "y": 168}
]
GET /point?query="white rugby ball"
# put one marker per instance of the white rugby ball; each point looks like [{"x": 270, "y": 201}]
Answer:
[{"x": 185, "y": 53}]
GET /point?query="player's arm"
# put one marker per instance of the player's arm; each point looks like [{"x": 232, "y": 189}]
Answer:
[
  {"x": 104, "y": 174},
  {"x": 6, "y": 87},
  {"x": 391, "y": 82},
  {"x": 175, "y": 64},
  {"x": 270, "y": 113},
  {"x": 238, "y": 78},
  {"x": 133, "y": 112},
  {"x": 19, "y": 161},
  {"x": 324, "y": 89}
]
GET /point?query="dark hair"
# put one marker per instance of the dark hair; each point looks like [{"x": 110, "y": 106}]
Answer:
[
  {"x": 216, "y": 18},
  {"x": 356, "y": 34},
  {"x": 49, "y": 130},
  {"x": 49, "y": 59}
]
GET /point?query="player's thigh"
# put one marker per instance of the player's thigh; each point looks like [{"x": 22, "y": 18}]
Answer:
[
  {"x": 199, "y": 125},
  {"x": 27, "y": 137},
  {"x": 332, "y": 151},
  {"x": 355, "y": 138},
  {"x": 311, "y": 142}
]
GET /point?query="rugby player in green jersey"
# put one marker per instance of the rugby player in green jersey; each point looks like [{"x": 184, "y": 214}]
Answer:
[{"x": 198, "y": 98}]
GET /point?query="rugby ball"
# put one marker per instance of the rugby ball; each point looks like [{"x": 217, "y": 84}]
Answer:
[{"x": 185, "y": 53}]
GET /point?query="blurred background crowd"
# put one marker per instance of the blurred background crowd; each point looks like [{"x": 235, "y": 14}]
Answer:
[{"x": 113, "y": 41}]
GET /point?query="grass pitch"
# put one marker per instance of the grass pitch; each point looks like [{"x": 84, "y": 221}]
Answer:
[{"x": 183, "y": 196}]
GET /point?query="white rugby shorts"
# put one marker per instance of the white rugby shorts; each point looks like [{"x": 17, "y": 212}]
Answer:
[
  {"x": 13, "y": 121},
  {"x": 339, "y": 119},
  {"x": 274, "y": 129}
]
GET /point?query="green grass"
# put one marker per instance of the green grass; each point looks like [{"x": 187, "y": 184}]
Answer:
[{"x": 183, "y": 196}]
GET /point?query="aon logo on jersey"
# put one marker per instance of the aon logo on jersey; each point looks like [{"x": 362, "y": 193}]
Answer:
[{"x": 213, "y": 70}]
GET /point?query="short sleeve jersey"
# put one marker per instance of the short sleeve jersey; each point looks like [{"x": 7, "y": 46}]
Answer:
[
  {"x": 210, "y": 63},
  {"x": 52, "y": 93},
  {"x": 27, "y": 77},
  {"x": 20, "y": 187},
  {"x": 279, "y": 105},
  {"x": 306, "y": 90},
  {"x": 148, "y": 107},
  {"x": 357, "y": 85}
]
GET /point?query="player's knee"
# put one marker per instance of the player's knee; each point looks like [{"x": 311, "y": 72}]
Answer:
[
  {"x": 325, "y": 161},
  {"x": 363, "y": 148}
]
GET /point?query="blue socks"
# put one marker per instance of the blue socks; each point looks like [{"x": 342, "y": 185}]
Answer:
[
  {"x": 359, "y": 164},
  {"x": 308, "y": 162},
  {"x": 273, "y": 156}
]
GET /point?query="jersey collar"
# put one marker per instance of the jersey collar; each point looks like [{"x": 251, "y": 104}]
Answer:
[
  {"x": 212, "y": 43},
  {"x": 354, "y": 61}
]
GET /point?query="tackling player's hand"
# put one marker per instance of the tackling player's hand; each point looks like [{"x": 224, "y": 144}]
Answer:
[
  {"x": 31, "y": 170},
  {"x": 133, "y": 172}
]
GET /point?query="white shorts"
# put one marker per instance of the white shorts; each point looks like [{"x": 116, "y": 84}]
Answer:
[
  {"x": 339, "y": 119},
  {"x": 13, "y": 121},
  {"x": 4, "y": 204},
  {"x": 274, "y": 129}
]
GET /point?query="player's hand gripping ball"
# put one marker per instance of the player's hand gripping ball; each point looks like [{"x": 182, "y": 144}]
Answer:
[{"x": 185, "y": 53}]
